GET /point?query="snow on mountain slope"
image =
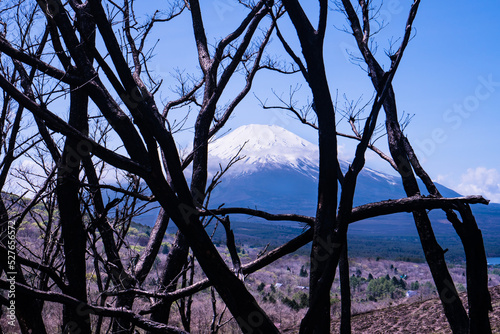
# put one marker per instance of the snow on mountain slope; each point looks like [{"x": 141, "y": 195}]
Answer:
[
  {"x": 264, "y": 147},
  {"x": 278, "y": 171}
]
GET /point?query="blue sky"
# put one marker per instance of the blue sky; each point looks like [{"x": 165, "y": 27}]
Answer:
[{"x": 449, "y": 80}]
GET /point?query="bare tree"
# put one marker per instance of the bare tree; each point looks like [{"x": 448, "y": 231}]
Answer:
[
  {"x": 409, "y": 167},
  {"x": 403, "y": 160},
  {"x": 69, "y": 55},
  {"x": 74, "y": 26}
]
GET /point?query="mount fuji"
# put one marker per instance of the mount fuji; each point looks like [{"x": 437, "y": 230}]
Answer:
[
  {"x": 277, "y": 171},
  {"x": 265, "y": 147}
]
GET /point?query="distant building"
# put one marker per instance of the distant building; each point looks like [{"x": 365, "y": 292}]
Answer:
[{"x": 411, "y": 293}]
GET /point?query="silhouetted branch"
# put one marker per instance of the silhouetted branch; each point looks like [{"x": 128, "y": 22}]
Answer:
[{"x": 56, "y": 297}]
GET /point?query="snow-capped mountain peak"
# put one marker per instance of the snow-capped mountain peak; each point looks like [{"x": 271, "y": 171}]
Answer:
[
  {"x": 265, "y": 146},
  {"x": 278, "y": 171}
]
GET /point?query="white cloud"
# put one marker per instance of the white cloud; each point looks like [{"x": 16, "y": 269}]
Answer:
[
  {"x": 29, "y": 164},
  {"x": 343, "y": 153},
  {"x": 442, "y": 178},
  {"x": 481, "y": 181}
]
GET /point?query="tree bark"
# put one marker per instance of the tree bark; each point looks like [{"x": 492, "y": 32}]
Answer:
[
  {"x": 477, "y": 274},
  {"x": 73, "y": 230},
  {"x": 345, "y": 293},
  {"x": 477, "y": 267},
  {"x": 28, "y": 312},
  {"x": 240, "y": 302},
  {"x": 323, "y": 245},
  {"x": 434, "y": 254},
  {"x": 176, "y": 259},
  {"x": 72, "y": 226}
]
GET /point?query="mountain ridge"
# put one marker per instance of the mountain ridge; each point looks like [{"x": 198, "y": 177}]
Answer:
[
  {"x": 283, "y": 180},
  {"x": 278, "y": 180},
  {"x": 274, "y": 159},
  {"x": 264, "y": 147}
]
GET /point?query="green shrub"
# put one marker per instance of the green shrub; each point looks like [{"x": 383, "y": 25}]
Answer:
[
  {"x": 298, "y": 301},
  {"x": 355, "y": 281},
  {"x": 385, "y": 287},
  {"x": 133, "y": 231},
  {"x": 291, "y": 303},
  {"x": 380, "y": 287}
]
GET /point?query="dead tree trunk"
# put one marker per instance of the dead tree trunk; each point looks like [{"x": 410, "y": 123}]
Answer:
[
  {"x": 176, "y": 259},
  {"x": 323, "y": 245},
  {"x": 434, "y": 254},
  {"x": 72, "y": 225},
  {"x": 477, "y": 267},
  {"x": 477, "y": 273},
  {"x": 28, "y": 312},
  {"x": 345, "y": 293}
]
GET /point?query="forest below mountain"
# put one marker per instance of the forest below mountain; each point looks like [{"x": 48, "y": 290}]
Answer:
[{"x": 379, "y": 285}]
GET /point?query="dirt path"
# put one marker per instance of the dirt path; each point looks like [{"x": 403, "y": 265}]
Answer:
[{"x": 416, "y": 318}]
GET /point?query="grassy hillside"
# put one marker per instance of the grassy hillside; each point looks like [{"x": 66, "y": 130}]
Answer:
[
  {"x": 420, "y": 317},
  {"x": 382, "y": 269}
]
